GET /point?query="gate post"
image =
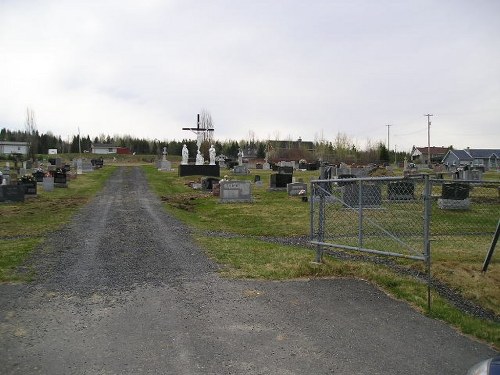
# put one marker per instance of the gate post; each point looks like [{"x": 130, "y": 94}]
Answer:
[
  {"x": 321, "y": 226},
  {"x": 427, "y": 240}
]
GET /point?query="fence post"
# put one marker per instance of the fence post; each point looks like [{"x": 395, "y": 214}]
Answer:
[
  {"x": 360, "y": 214},
  {"x": 321, "y": 226},
  {"x": 427, "y": 240}
]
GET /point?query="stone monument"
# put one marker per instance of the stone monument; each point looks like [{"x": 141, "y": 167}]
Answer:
[
  {"x": 199, "y": 158},
  {"x": 185, "y": 155},
  {"x": 211, "y": 153}
]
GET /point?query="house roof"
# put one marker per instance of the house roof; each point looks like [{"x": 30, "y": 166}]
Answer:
[
  {"x": 434, "y": 150},
  {"x": 13, "y": 143},
  {"x": 482, "y": 153},
  {"x": 461, "y": 154},
  {"x": 103, "y": 145}
]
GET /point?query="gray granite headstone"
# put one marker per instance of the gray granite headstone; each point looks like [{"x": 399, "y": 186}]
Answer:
[
  {"x": 235, "y": 191},
  {"x": 240, "y": 169},
  {"x": 48, "y": 183},
  {"x": 295, "y": 188}
]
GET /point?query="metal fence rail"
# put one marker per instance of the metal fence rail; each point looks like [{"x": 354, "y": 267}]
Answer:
[{"x": 401, "y": 216}]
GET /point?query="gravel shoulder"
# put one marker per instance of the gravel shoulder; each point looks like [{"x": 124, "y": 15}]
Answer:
[{"x": 123, "y": 289}]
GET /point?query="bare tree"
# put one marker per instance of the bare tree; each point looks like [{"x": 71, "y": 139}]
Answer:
[
  {"x": 31, "y": 130},
  {"x": 207, "y": 124}
]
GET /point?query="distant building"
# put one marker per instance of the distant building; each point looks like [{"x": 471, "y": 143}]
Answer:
[
  {"x": 13, "y": 148},
  {"x": 474, "y": 157},
  {"x": 420, "y": 154},
  {"x": 101, "y": 148}
]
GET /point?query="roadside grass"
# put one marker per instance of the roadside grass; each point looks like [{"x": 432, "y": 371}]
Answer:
[
  {"x": 274, "y": 214},
  {"x": 24, "y": 225}
]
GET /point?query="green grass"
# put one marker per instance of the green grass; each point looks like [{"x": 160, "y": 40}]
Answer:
[
  {"x": 275, "y": 214},
  {"x": 24, "y": 225}
]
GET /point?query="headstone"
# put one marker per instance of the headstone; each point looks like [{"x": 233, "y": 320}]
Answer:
[
  {"x": 60, "y": 179},
  {"x": 39, "y": 174},
  {"x": 79, "y": 166},
  {"x": 207, "y": 183},
  {"x": 12, "y": 193},
  {"x": 401, "y": 190},
  {"x": 285, "y": 169},
  {"x": 235, "y": 191},
  {"x": 165, "y": 166},
  {"x": 266, "y": 166},
  {"x": 371, "y": 195},
  {"x": 280, "y": 180},
  {"x": 199, "y": 170},
  {"x": 48, "y": 183},
  {"x": 296, "y": 188},
  {"x": 454, "y": 196},
  {"x": 240, "y": 169}
]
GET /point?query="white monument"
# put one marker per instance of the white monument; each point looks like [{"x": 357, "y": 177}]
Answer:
[
  {"x": 211, "y": 153},
  {"x": 165, "y": 165},
  {"x": 199, "y": 158},
  {"x": 240, "y": 157},
  {"x": 185, "y": 155}
]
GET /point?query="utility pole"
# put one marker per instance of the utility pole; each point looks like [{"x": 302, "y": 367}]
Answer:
[
  {"x": 428, "y": 138},
  {"x": 388, "y": 145}
]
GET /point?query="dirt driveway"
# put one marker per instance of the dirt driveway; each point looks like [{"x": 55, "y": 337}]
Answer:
[{"x": 123, "y": 290}]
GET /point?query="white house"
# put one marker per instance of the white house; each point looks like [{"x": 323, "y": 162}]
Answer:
[
  {"x": 99, "y": 148},
  {"x": 10, "y": 147}
]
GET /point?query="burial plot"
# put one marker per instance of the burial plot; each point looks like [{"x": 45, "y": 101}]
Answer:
[
  {"x": 240, "y": 169},
  {"x": 199, "y": 170},
  {"x": 39, "y": 174},
  {"x": 296, "y": 188},
  {"x": 371, "y": 195},
  {"x": 207, "y": 183},
  {"x": 401, "y": 190},
  {"x": 454, "y": 196},
  {"x": 60, "y": 179},
  {"x": 12, "y": 193},
  {"x": 280, "y": 180},
  {"x": 48, "y": 183},
  {"x": 235, "y": 191}
]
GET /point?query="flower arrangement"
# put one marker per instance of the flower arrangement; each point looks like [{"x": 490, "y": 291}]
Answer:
[{"x": 27, "y": 178}]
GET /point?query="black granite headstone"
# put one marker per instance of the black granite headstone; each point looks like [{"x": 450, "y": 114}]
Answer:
[{"x": 199, "y": 170}]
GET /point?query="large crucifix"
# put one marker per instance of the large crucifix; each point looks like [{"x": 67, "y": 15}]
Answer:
[{"x": 202, "y": 131}]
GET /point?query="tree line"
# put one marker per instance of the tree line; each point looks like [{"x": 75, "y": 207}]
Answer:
[{"x": 342, "y": 149}]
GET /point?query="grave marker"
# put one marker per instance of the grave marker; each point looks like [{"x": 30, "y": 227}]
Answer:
[{"x": 235, "y": 191}]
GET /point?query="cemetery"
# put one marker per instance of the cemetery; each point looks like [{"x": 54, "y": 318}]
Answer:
[{"x": 261, "y": 199}]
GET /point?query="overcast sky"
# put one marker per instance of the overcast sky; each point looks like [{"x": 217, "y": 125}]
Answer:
[{"x": 274, "y": 69}]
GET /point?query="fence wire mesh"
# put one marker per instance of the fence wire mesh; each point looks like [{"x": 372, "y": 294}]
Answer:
[{"x": 399, "y": 216}]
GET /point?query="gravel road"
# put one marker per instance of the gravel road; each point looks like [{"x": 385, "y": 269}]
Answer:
[{"x": 122, "y": 289}]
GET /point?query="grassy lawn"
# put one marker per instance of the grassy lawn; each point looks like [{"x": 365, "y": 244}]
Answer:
[
  {"x": 274, "y": 214},
  {"x": 25, "y": 225}
]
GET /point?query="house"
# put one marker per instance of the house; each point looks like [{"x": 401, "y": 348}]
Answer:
[
  {"x": 11, "y": 148},
  {"x": 101, "y": 148},
  {"x": 420, "y": 154},
  {"x": 478, "y": 158}
]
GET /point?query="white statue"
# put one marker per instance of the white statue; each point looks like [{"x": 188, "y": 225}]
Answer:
[
  {"x": 199, "y": 158},
  {"x": 240, "y": 157},
  {"x": 185, "y": 155},
  {"x": 165, "y": 153},
  {"x": 211, "y": 153}
]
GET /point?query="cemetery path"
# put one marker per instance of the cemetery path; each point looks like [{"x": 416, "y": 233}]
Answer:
[{"x": 124, "y": 290}]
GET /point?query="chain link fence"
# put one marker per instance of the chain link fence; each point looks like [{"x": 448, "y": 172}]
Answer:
[{"x": 402, "y": 217}]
